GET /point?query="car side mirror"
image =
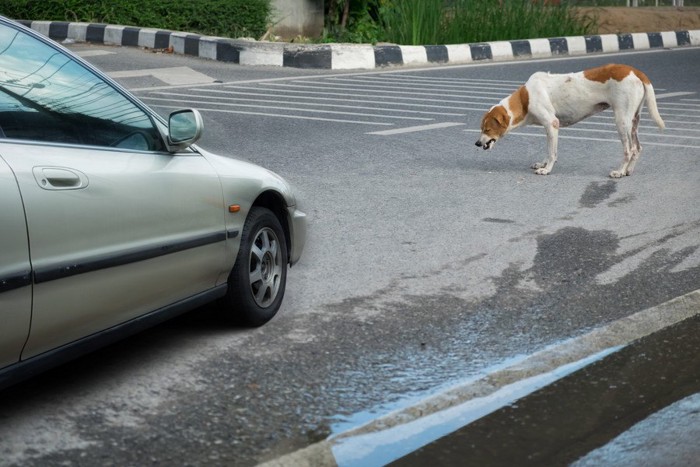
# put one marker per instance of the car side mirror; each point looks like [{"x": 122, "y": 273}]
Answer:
[{"x": 184, "y": 129}]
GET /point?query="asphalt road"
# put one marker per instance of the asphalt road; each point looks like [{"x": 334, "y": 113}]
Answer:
[{"x": 428, "y": 260}]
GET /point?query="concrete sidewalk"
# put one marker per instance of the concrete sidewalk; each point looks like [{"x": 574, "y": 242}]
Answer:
[{"x": 356, "y": 56}]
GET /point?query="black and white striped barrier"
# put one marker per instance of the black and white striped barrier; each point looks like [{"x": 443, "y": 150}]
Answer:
[{"x": 355, "y": 56}]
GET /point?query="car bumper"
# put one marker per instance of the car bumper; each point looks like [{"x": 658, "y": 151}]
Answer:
[{"x": 297, "y": 233}]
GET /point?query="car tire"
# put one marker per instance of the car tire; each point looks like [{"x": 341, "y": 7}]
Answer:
[{"x": 258, "y": 279}]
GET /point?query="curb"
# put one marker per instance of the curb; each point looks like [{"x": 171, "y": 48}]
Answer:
[
  {"x": 548, "y": 362},
  {"x": 355, "y": 56}
]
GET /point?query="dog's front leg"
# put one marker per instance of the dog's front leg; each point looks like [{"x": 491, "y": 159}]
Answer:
[{"x": 552, "y": 130}]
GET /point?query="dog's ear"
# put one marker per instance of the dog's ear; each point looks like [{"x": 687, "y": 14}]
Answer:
[
  {"x": 483, "y": 120},
  {"x": 502, "y": 118}
]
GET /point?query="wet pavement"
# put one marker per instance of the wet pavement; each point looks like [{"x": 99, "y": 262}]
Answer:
[{"x": 619, "y": 410}]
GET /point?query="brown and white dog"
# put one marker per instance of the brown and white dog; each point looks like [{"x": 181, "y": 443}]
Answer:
[{"x": 560, "y": 100}]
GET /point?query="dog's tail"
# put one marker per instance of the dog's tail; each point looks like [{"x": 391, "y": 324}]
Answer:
[{"x": 651, "y": 105}]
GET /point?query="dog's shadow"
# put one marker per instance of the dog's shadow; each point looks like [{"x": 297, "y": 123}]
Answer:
[{"x": 517, "y": 156}]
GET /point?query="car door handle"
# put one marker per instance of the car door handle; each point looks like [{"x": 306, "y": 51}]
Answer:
[{"x": 60, "y": 178}]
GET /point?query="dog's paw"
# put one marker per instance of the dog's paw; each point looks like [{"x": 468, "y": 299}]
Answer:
[
  {"x": 542, "y": 171},
  {"x": 617, "y": 174},
  {"x": 539, "y": 165}
]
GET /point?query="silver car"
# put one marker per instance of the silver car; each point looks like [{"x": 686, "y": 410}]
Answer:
[{"x": 111, "y": 220}]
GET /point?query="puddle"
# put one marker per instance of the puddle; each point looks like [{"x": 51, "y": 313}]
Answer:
[{"x": 596, "y": 193}]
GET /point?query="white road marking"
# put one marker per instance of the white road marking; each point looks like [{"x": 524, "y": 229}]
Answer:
[
  {"x": 410, "y": 83},
  {"x": 673, "y": 94},
  {"x": 448, "y": 80},
  {"x": 402, "y": 94},
  {"x": 298, "y": 117},
  {"x": 648, "y": 127},
  {"x": 337, "y": 99},
  {"x": 432, "y": 126},
  {"x": 272, "y": 101},
  {"x": 176, "y": 76},
  {"x": 422, "y": 68},
  {"x": 342, "y": 87},
  {"x": 585, "y": 138},
  {"x": 93, "y": 53},
  {"x": 652, "y": 135},
  {"x": 295, "y": 109},
  {"x": 402, "y": 98}
]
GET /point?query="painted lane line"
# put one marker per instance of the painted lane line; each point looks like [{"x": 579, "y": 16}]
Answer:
[
  {"x": 413, "y": 129},
  {"x": 451, "y": 80},
  {"x": 293, "y": 109},
  {"x": 392, "y": 83},
  {"x": 378, "y": 96},
  {"x": 93, "y": 53},
  {"x": 685, "y": 104},
  {"x": 272, "y": 101},
  {"x": 474, "y": 65},
  {"x": 647, "y": 127},
  {"x": 651, "y": 135},
  {"x": 677, "y": 109},
  {"x": 263, "y": 114},
  {"x": 604, "y": 140},
  {"x": 608, "y": 115},
  {"x": 180, "y": 75},
  {"x": 673, "y": 94},
  {"x": 341, "y": 87},
  {"x": 274, "y": 93},
  {"x": 387, "y": 100}
]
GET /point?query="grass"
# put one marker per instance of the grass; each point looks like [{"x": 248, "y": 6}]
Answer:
[{"x": 424, "y": 22}]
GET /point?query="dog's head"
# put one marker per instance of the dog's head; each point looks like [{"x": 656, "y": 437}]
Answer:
[{"x": 494, "y": 124}]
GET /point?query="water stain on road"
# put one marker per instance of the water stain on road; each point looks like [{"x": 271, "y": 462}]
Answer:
[
  {"x": 362, "y": 357},
  {"x": 596, "y": 193}
]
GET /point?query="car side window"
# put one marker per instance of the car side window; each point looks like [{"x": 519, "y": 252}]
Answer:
[{"x": 45, "y": 95}]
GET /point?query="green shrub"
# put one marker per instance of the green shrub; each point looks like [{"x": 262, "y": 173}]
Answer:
[
  {"x": 362, "y": 26},
  {"x": 479, "y": 21},
  {"x": 425, "y": 22},
  {"x": 463, "y": 21},
  {"x": 228, "y": 18},
  {"x": 414, "y": 22}
]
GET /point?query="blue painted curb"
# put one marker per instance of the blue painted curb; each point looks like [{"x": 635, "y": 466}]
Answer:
[{"x": 355, "y": 56}]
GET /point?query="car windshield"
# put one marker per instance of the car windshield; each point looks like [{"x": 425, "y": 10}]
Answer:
[{"x": 45, "y": 95}]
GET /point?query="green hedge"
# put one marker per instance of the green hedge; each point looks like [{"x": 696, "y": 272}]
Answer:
[{"x": 227, "y": 18}]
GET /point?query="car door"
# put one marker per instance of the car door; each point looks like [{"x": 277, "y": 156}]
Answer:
[
  {"x": 117, "y": 226},
  {"x": 15, "y": 271}
]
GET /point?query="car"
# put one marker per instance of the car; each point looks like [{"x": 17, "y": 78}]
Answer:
[{"x": 113, "y": 220}]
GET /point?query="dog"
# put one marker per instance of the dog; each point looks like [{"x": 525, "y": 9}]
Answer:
[{"x": 559, "y": 100}]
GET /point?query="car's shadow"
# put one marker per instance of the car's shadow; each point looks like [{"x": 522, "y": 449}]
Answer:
[{"x": 116, "y": 358}]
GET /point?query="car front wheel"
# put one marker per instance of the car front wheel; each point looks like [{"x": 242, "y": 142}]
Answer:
[{"x": 258, "y": 278}]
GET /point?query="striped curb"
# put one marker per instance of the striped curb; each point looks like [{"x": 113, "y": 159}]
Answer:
[{"x": 355, "y": 56}]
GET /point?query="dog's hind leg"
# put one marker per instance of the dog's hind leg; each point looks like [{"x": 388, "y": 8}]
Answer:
[
  {"x": 627, "y": 106},
  {"x": 625, "y": 127},
  {"x": 636, "y": 145}
]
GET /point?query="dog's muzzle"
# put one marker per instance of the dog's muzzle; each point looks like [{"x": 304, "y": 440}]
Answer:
[{"x": 486, "y": 145}]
